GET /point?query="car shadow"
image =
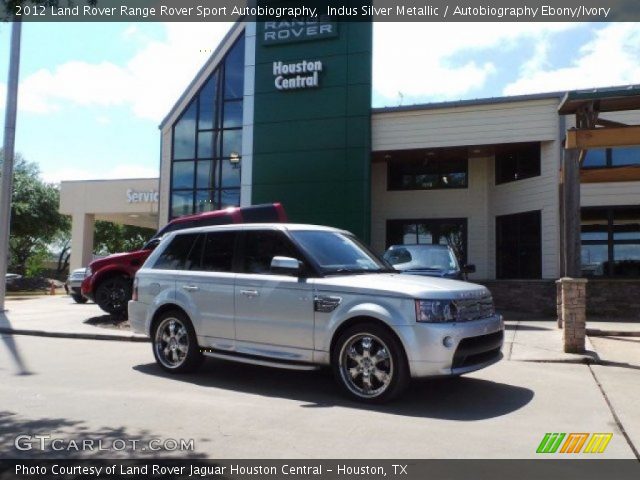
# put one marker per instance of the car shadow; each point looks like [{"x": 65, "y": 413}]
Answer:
[
  {"x": 107, "y": 320},
  {"x": 519, "y": 326},
  {"x": 462, "y": 398}
]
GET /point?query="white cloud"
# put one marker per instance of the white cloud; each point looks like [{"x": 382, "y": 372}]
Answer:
[
  {"x": 116, "y": 172},
  {"x": 416, "y": 58},
  {"x": 149, "y": 82},
  {"x": 611, "y": 58}
]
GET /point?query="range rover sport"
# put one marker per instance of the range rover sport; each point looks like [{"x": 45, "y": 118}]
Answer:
[{"x": 304, "y": 296}]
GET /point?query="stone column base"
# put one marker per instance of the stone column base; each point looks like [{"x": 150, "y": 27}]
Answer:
[{"x": 573, "y": 317}]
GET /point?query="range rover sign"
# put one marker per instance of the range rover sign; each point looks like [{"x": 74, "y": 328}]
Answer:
[{"x": 298, "y": 30}]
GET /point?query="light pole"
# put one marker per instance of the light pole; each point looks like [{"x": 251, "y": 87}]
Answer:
[{"x": 9, "y": 152}]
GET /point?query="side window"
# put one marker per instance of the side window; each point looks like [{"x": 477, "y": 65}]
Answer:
[
  {"x": 176, "y": 255},
  {"x": 218, "y": 252},
  {"x": 261, "y": 246}
]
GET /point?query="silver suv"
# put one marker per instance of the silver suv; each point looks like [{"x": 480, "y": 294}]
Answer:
[{"x": 304, "y": 296}]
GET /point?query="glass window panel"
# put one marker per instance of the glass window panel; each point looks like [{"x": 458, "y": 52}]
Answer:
[
  {"x": 594, "y": 260},
  {"x": 230, "y": 198},
  {"x": 208, "y": 103},
  {"x": 517, "y": 161},
  {"x": 232, "y": 114},
  {"x": 625, "y": 156},
  {"x": 181, "y": 203},
  {"x": 409, "y": 235},
  {"x": 595, "y": 158},
  {"x": 182, "y": 175},
  {"x": 184, "y": 135},
  {"x": 425, "y": 234},
  {"x": 626, "y": 224},
  {"x": 626, "y": 260},
  {"x": 234, "y": 71},
  {"x": 206, "y": 174},
  {"x": 230, "y": 174},
  {"x": 205, "y": 145},
  {"x": 231, "y": 143},
  {"x": 206, "y": 200}
]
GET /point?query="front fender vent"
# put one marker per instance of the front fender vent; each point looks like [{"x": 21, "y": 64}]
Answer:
[{"x": 326, "y": 303}]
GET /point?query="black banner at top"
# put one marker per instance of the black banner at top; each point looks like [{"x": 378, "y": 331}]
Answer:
[{"x": 314, "y": 10}]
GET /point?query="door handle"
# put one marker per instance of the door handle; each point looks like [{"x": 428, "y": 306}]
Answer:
[
  {"x": 250, "y": 293},
  {"x": 190, "y": 288}
]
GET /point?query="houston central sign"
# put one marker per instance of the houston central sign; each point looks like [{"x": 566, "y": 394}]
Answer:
[{"x": 293, "y": 76}]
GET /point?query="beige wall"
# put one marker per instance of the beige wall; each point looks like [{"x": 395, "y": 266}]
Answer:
[
  {"x": 90, "y": 200},
  {"x": 535, "y": 120}
]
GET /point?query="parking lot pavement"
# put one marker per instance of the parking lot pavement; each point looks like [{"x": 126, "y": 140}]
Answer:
[
  {"x": 59, "y": 315},
  {"x": 619, "y": 377},
  {"x": 108, "y": 390}
]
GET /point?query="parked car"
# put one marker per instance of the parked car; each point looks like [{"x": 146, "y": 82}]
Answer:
[
  {"x": 427, "y": 259},
  {"x": 10, "y": 278},
  {"x": 74, "y": 283},
  {"x": 304, "y": 296},
  {"x": 108, "y": 280}
]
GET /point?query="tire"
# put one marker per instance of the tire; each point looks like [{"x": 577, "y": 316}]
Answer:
[
  {"x": 112, "y": 295},
  {"x": 176, "y": 348},
  {"x": 370, "y": 348},
  {"x": 78, "y": 298}
]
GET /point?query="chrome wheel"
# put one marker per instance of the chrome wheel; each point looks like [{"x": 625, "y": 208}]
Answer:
[
  {"x": 171, "y": 342},
  {"x": 366, "y": 365}
]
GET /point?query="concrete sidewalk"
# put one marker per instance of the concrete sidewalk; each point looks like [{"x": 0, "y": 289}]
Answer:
[{"x": 60, "y": 316}]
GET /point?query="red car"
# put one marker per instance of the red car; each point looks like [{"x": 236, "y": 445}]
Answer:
[{"x": 108, "y": 281}]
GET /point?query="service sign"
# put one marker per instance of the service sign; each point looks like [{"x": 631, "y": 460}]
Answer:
[{"x": 300, "y": 29}]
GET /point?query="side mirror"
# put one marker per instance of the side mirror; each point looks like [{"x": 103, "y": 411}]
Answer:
[
  {"x": 470, "y": 268},
  {"x": 286, "y": 265}
]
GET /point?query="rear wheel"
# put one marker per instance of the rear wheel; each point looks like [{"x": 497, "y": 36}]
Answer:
[
  {"x": 175, "y": 346},
  {"x": 113, "y": 294},
  {"x": 369, "y": 363}
]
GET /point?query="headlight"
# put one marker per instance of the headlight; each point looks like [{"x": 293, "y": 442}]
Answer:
[
  {"x": 87, "y": 272},
  {"x": 435, "y": 311}
]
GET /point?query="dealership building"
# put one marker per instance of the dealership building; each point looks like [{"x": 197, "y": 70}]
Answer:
[{"x": 282, "y": 112}]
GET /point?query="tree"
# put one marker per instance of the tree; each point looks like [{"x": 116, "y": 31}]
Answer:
[
  {"x": 35, "y": 220},
  {"x": 112, "y": 238}
]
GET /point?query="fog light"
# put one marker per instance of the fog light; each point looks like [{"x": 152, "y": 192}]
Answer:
[{"x": 447, "y": 342}]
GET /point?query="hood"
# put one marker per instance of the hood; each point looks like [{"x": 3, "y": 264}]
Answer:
[
  {"x": 402, "y": 285},
  {"x": 119, "y": 258}
]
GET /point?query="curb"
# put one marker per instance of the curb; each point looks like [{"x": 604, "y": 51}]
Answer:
[
  {"x": 590, "y": 357},
  {"x": 83, "y": 336},
  {"x": 594, "y": 332}
]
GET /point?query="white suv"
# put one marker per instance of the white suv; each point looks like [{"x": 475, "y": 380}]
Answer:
[{"x": 304, "y": 296}]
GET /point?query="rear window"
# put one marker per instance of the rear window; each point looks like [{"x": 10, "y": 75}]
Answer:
[{"x": 177, "y": 255}]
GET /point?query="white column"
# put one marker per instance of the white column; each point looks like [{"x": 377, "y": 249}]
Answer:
[{"x": 82, "y": 225}]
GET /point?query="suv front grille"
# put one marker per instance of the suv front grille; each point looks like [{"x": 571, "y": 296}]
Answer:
[{"x": 471, "y": 309}]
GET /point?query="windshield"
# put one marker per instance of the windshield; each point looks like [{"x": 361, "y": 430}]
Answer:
[
  {"x": 421, "y": 257},
  {"x": 339, "y": 253}
]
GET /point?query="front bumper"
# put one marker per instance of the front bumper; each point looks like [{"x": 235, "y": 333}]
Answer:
[{"x": 473, "y": 345}]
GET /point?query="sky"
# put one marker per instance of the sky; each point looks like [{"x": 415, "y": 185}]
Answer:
[{"x": 93, "y": 94}]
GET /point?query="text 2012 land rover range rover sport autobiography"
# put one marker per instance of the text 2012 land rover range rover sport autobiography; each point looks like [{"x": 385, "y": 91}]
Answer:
[{"x": 303, "y": 296}]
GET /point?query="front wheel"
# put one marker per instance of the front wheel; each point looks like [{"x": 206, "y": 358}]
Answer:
[
  {"x": 175, "y": 346},
  {"x": 78, "y": 298},
  {"x": 369, "y": 363},
  {"x": 113, "y": 294}
]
